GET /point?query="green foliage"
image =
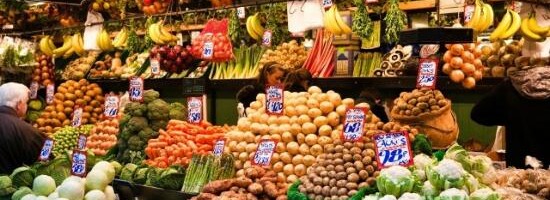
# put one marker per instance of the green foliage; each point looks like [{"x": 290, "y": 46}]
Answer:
[
  {"x": 140, "y": 175},
  {"x": 293, "y": 193},
  {"x": 170, "y": 178},
  {"x": 421, "y": 144}
]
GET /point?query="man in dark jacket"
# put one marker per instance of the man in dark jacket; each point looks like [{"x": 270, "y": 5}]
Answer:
[
  {"x": 20, "y": 143},
  {"x": 522, "y": 105}
]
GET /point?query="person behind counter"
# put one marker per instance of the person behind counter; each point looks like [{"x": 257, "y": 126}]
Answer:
[
  {"x": 271, "y": 73},
  {"x": 298, "y": 80},
  {"x": 20, "y": 143},
  {"x": 373, "y": 98}
]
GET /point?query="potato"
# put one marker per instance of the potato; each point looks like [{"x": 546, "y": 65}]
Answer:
[
  {"x": 297, "y": 159},
  {"x": 300, "y": 170},
  {"x": 286, "y": 158},
  {"x": 316, "y": 150},
  {"x": 288, "y": 169}
]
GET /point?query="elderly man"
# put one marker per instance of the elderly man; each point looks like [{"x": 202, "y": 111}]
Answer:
[{"x": 20, "y": 143}]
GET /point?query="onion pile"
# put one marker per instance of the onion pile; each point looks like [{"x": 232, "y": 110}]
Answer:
[{"x": 103, "y": 136}]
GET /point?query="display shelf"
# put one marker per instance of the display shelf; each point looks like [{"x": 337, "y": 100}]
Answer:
[
  {"x": 187, "y": 86},
  {"x": 438, "y": 35},
  {"x": 127, "y": 190},
  {"x": 411, "y": 5}
]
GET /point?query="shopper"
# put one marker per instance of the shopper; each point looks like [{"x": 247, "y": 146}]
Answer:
[
  {"x": 20, "y": 143},
  {"x": 373, "y": 98},
  {"x": 298, "y": 80},
  {"x": 271, "y": 73},
  {"x": 521, "y": 104}
]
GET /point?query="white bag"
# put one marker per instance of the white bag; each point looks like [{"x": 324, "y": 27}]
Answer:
[
  {"x": 92, "y": 32},
  {"x": 304, "y": 16}
]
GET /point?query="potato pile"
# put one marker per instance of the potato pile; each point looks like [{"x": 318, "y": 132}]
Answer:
[
  {"x": 311, "y": 120},
  {"x": 68, "y": 95},
  {"x": 78, "y": 68},
  {"x": 373, "y": 129},
  {"x": 463, "y": 64},
  {"x": 418, "y": 102},
  {"x": 43, "y": 73},
  {"x": 341, "y": 171},
  {"x": 289, "y": 54}
]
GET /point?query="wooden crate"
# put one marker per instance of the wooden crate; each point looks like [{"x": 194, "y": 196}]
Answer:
[{"x": 345, "y": 57}]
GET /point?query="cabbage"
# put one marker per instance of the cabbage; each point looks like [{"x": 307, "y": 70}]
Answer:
[
  {"x": 453, "y": 194},
  {"x": 127, "y": 171},
  {"x": 22, "y": 176},
  {"x": 107, "y": 168},
  {"x": 410, "y": 196},
  {"x": 72, "y": 189},
  {"x": 6, "y": 187},
  {"x": 62, "y": 199},
  {"x": 471, "y": 183},
  {"x": 20, "y": 193},
  {"x": 29, "y": 197},
  {"x": 484, "y": 194},
  {"x": 395, "y": 181},
  {"x": 95, "y": 195},
  {"x": 43, "y": 185},
  {"x": 117, "y": 166},
  {"x": 446, "y": 174},
  {"x": 53, "y": 196},
  {"x": 96, "y": 180},
  {"x": 74, "y": 179},
  {"x": 109, "y": 193}
]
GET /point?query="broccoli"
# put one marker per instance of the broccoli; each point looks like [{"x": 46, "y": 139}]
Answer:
[
  {"x": 135, "y": 109},
  {"x": 122, "y": 144},
  {"x": 421, "y": 144},
  {"x": 178, "y": 111},
  {"x": 150, "y": 95},
  {"x": 125, "y": 133},
  {"x": 158, "y": 110},
  {"x": 124, "y": 120},
  {"x": 137, "y": 124},
  {"x": 159, "y": 124},
  {"x": 135, "y": 143},
  {"x": 146, "y": 134}
]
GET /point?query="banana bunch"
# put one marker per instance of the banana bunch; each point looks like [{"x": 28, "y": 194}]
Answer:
[
  {"x": 78, "y": 44},
  {"x": 532, "y": 31},
  {"x": 482, "y": 18},
  {"x": 160, "y": 34},
  {"x": 254, "y": 27},
  {"x": 104, "y": 41},
  {"x": 46, "y": 45},
  {"x": 507, "y": 27},
  {"x": 121, "y": 38},
  {"x": 334, "y": 23},
  {"x": 66, "y": 50}
]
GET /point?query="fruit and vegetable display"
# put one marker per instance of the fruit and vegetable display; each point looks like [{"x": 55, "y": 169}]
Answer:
[
  {"x": 88, "y": 96},
  {"x": 482, "y": 18},
  {"x": 394, "y": 62},
  {"x": 103, "y": 136},
  {"x": 500, "y": 58},
  {"x": 180, "y": 142},
  {"x": 528, "y": 26},
  {"x": 419, "y": 102},
  {"x": 17, "y": 54},
  {"x": 290, "y": 55},
  {"x": 365, "y": 64},
  {"x": 171, "y": 59},
  {"x": 66, "y": 138},
  {"x": 334, "y": 23},
  {"x": 320, "y": 61},
  {"x": 213, "y": 43},
  {"x": 246, "y": 64},
  {"x": 43, "y": 73},
  {"x": 206, "y": 168},
  {"x": 133, "y": 64},
  {"x": 110, "y": 67},
  {"x": 463, "y": 64},
  {"x": 254, "y": 27},
  {"x": 78, "y": 68}
]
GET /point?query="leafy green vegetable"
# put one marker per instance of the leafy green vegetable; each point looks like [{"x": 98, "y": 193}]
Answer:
[
  {"x": 293, "y": 193},
  {"x": 127, "y": 172},
  {"x": 421, "y": 144},
  {"x": 169, "y": 178},
  {"x": 140, "y": 175},
  {"x": 362, "y": 24},
  {"x": 22, "y": 176},
  {"x": 395, "y": 20},
  {"x": 6, "y": 186},
  {"x": 453, "y": 194},
  {"x": 362, "y": 192},
  {"x": 429, "y": 191},
  {"x": 20, "y": 193}
]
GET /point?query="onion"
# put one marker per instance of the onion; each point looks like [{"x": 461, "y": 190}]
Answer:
[
  {"x": 456, "y": 62},
  {"x": 348, "y": 102},
  {"x": 447, "y": 68},
  {"x": 326, "y": 107},
  {"x": 325, "y": 130},
  {"x": 468, "y": 69},
  {"x": 478, "y": 74},
  {"x": 469, "y": 82},
  {"x": 457, "y": 76},
  {"x": 309, "y": 128},
  {"x": 314, "y": 89},
  {"x": 457, "y": 49}
]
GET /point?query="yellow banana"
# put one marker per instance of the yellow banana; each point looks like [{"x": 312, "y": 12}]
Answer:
[
  {"x": 257, "y": 26},
  {"x": 66, "y": 46},
  {"x": 488, "y": 15},
  {"x": 165, "y": 34},
  {"x": 44, "y": 46},
  {"x": 514, "y": 26},
  {"x": 120, "y": 38},
  {"x": 534, "y": 26},
  {"x": 69, "y": 53},
  {"x": 76, "y": 42},
  {"x": 249, "y": 28},
  {"x": 330, "y": 22},
  {"x": 50, "y": 43},
  {"x": 501, "y": 27},
  {"x": 476, "y": 17},
  {"x": 527, "y": 33},
  {"x": 343, "y": 26},
  {"x": 155, "y": 34}
]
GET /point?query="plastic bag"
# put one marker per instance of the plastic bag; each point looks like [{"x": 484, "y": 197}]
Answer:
[
  {"x": 92, "y": 32},
  {"x": 304, "y": 16},
  {"x": 213, "y": 43}
]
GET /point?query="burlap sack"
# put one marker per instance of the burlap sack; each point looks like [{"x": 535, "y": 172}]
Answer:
[{"x": 441, "y": 127}]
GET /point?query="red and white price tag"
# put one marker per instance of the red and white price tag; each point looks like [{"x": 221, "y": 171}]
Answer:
[
  {"x": 81, "y": 144},
  {"x": 46, "y": 150},
  {"x": 50, "y": 91},
  {"x": 327, "y": 3},
  {"x": 218, "y": 147},
  {"x": 155, "y": 66},
  {"x": 34, "y": 89},
  {"x": 208, "y": 50},
  {"x": 136, "y": 89},
  {"x": 427, "y": 73},
  {"x": 77, "y": 117},
  {"x": 354, "y": 124},
  {"x": 266, "y": 38},
  {"x": 468, "y": 13},
  {"x": 194, "y": 110},
  {"x": 241, "y": 12},
  {"x": 264, "y": 152},
  {"x": 78, "y": 163},
  {"x": 111, "y": 106},
  {"x": 393, "y": 149},
  {"x": 274, "y": 99}
]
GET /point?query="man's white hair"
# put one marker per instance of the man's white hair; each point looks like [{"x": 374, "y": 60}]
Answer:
[{"x": 12, "y": 93}]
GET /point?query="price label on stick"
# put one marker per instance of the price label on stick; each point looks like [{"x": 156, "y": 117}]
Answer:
[
  {"x": 194, "y": 110},
  {"x": 266, "y": 38},
  {"x": 81, "y": 144},
  {"x": 77, "y": 117},
  {"x": 327, "y": 3},
  {"x": 78, "y": 163},
  {"x": 393, "y": 149},
  {"x": 354, "y": 123},
  {"x": 136, "y": 89},
  {"x": 218, "y": 147},
  {"x": 468, "y": 13},
  {"x": 241, "y": 12},
  {"x": 264, "y": 152},
  {"x": 208, "y": 50},
  {"x": 274, "y": 99},
  {"x": 34, "y": 89},
  {"x": 111, "y": 106},
  {"x": 427, "y": 74},
  {"x": 50, "y": 91},
  {"x": 46, "y": 150},
  {"x": 155, "y": 66}
]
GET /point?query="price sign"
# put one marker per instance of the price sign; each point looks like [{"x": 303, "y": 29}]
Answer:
[
  {"x": 77, "y": 117},
  {"x": 266, "y": 38},
  {"x": 50, "y": 91},
  {"x": 371, "y": 1},
  {"x": 327, "y": 3},
  {"x": 264, "y": 152},
  {"x": 155, "y": 66},
  {"x": 34, "y": 89},
  {"x": 468, "y": 13},
  {"x": 218, "y": 147},
  {"x": 354, "y": 123},
  {"x": 7, "y": 27},
  {"x": 393, "y": 149},
  {"x": 81, "y": 144},
  {"x": 274, "y": 99},
  {"x": 46, "y": 150},
  {"x": 78, "y": 163},
  {"x": 208, "y": 50},
  {"x": 111, "y": 106},
  {"x": 194, "y": 110},
  {"x": 241, "y": 12},
  {"x": 427, "y": 74},
  {"x": 136, "y": 89}
]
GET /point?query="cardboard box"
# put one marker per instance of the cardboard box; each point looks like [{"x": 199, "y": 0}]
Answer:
[{"x": 345, "y": 56}]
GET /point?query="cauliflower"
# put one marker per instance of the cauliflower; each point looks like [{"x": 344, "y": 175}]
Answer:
[
  {"x": 484, "y": 194},
  {"x": 429, "y": 190},
  {"x": 158, "y": 110},
  {"x": 136, "y": 124},
  {"x": 450, "y": 169},
  {"x": 453, "y": 194},
  {"x": 388, "y": 197},
  {"x": 150, "y": 95},
  {"x": 421, "y": 161},
  {"x": 446, "y": 174},
  {"x": 395, "y": 180},
  {"x": 410, "y": 196},
  {"x": 178, "y": 111},
  {"x": 135, "y": 109}
]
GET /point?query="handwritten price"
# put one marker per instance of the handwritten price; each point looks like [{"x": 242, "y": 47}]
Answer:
[
  {"x": 393, "y": 156},
  {"x": 208, "y": 50}
]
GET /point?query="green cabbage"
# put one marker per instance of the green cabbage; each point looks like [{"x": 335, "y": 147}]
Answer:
[
  {"x": 395, "y": 181},
  {"x": 140, "y": 175},
  {"x": 446, "y": 174},
  {"x": 20, "y": 193},
  {"x": 169, "y": 178},
  {"x": 22, "y": 176},
  {"x": 127, "y": 172},
  {"x": 453, "y": 194},
  {"x": 72, "y": 189},
  {"x": 484, "y": 194},
  {"x": 95, "y": 195},
  {"x": 471, "y": 183},
  {"x": 43, "y": 185},
  {"x": 96, "y": 180}
]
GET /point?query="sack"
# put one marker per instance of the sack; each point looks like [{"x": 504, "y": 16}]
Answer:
[
  {"x": 440, "y": 127},
  {"x": 219, "y": 48}
]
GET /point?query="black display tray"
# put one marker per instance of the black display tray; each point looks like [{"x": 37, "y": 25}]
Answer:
[
  {"x": 130, "y": 191},
  {"x": 439, "y": 35}
]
